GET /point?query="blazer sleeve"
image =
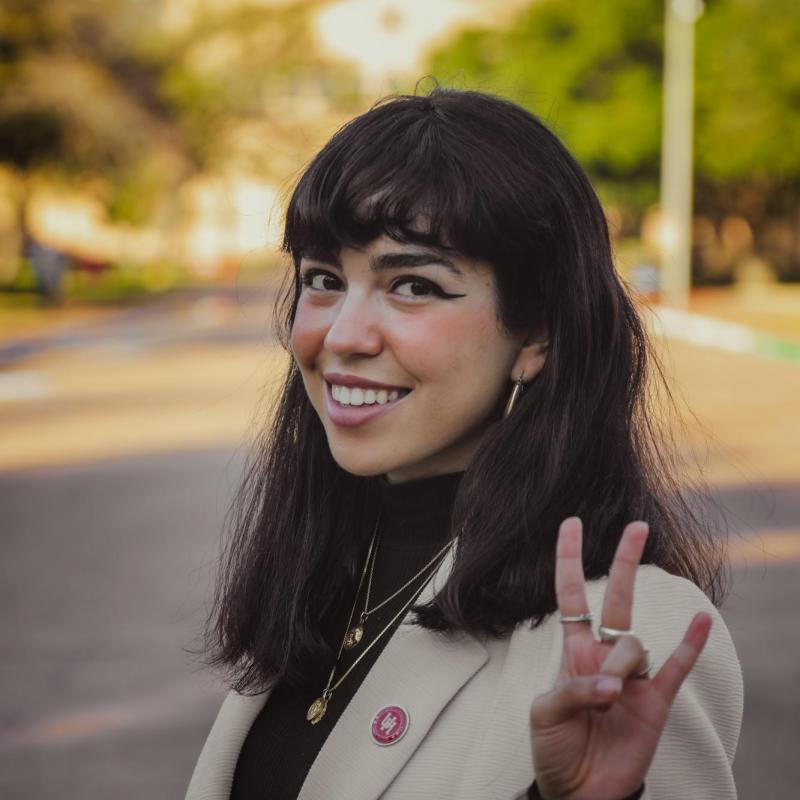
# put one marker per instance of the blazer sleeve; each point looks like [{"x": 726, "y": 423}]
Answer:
[{"x": 694, "y": 757}]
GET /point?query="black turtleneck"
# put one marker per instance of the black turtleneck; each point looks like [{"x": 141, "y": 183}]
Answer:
[{"x": 282, "y": 744}]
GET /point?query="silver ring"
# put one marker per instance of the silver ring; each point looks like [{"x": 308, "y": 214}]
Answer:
[
  {"x": 585, "y": 618},
  {"x": 612, "y": 634}
]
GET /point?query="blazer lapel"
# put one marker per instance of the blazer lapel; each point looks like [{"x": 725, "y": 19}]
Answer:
[
  {"x": 213, "y": 775},
  {"x": 419, "y": 670}
]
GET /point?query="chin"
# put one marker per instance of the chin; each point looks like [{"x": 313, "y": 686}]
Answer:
[
  {"x": 364, "y": 469},
  {"x": 360, "y": 461}
]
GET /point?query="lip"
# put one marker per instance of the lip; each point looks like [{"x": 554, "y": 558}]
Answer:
[
  {"x": 354, "y": 380},
  {"x": 353, "y": 416}
]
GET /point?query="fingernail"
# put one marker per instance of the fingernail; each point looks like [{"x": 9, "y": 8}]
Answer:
[{"x": 609, "y": 684}]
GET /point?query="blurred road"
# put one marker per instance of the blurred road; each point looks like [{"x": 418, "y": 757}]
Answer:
[
  {"x": 121, "y": 442},
  {"x": 105, "y": 574}
]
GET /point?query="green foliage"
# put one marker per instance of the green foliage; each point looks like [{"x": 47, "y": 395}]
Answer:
[
  {"x": 593, "y": 72},
  {"x": 748, "y": 105},
  {"x": 134, "y": 195},
  {"x": 590, "y": 70}
]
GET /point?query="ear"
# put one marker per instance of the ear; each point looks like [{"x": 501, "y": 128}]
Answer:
[{"x": 530, "y": 359}]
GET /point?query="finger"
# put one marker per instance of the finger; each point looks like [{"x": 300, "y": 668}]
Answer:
[
  {"x": 570, "y": 583},
  {"x": 625, "y": 658},
  {"x": 573, "y": 696},
  {"x": 675, "y": 669},
  {"x": 618, "y": 600}
]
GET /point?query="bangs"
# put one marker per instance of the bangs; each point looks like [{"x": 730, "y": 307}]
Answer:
[
  {"x": 390, "y": 171},
  {"x": 469, "y": 174}
]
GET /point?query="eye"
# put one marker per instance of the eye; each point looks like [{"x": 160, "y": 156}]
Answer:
[
  {"x": 319, "y": 280},
  {"x": 416, "y": 287}
]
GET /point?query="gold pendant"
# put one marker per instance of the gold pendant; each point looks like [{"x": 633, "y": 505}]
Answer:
[
  {"x": 353, "y": 637},
  {"x": 316, "y": 710}
]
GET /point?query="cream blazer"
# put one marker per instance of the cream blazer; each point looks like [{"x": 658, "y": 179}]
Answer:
[{"x": 469, "y": 701}]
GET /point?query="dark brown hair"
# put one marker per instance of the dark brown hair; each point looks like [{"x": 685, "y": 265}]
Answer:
[{"x": 493, "y": 183}]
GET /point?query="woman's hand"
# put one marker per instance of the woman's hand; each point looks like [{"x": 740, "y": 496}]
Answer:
[{"x": 595, "y": 733}]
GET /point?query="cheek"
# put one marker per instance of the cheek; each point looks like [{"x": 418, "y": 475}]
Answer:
[
  {"x": 448, "y": 345},
  {"x": 308, "y": 333}
]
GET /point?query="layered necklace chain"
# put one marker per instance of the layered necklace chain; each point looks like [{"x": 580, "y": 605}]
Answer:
[{"x": 354, "y": 634}]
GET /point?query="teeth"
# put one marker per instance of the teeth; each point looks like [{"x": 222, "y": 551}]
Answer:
[
  {"x": 355, "y": 396},
  {"x": 344, "y": 395}
]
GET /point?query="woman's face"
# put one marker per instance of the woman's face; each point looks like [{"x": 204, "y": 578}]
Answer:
[{"x": 403, "y": 356}]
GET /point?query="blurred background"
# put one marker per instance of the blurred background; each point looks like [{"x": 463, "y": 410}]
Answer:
[{"x": 146, "y": 150}]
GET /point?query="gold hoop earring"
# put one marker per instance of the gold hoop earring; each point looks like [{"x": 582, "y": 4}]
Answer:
[{"x": 515, "y": 393}]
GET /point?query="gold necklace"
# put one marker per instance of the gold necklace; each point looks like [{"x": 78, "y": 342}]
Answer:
[
  {"x": 316, "y": 710},
  {"x": 355, "y": 634}
]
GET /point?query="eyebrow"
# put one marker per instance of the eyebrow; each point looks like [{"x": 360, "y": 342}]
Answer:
[{"x": 396, "y": 261}]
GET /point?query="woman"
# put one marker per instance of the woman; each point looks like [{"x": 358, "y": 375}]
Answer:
[{"x": 464, "y": 431}]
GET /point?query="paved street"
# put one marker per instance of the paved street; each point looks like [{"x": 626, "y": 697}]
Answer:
[
  {"x": 118, "y": 457},
  {"x": 105, "y": 572}
]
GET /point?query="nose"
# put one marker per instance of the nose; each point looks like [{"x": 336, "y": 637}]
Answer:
[{"x": 354, "y": 329}]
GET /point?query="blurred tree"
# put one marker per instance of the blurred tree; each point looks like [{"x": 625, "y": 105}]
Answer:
[
  {"x": 747, "y": 123},
  {"x": 109, "y": 95},
  {"x": 74, "y": 98},
  {"x": 249, "y": 66},
  {"x": 593, "y": 72}
]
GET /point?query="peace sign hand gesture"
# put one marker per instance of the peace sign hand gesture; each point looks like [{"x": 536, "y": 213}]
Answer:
[{"x": 595, "y": 733}]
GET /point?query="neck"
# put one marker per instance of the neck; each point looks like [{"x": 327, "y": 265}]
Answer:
[{"x": 416, "y": 514}]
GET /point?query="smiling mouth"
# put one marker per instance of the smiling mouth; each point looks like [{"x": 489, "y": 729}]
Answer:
[{"x": 349, "y": 396}]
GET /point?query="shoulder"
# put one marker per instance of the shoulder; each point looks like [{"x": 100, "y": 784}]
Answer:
[
  {"x": 696, "y": 751},
  {"x": 663, "y": 607},
  {"x": 667, "y": 600},
  {"x": 653, "y": 586},
  {"x": 698, "y": 744}
]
